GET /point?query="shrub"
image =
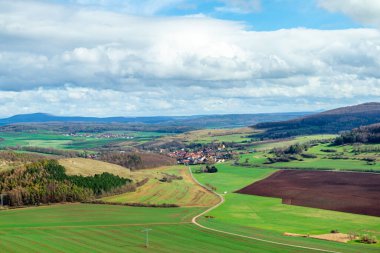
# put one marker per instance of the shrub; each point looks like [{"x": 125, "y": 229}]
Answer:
[
  {"x": 305, "y": 155},
  {"x": 368, "y": 239}
]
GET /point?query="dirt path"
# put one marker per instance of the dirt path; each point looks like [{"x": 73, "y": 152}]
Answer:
[{"x": 194, "y": 221}]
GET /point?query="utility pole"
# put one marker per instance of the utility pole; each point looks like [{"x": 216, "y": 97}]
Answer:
[{"x": 146, "y": 230}]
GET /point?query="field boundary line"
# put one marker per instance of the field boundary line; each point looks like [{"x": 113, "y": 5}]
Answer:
[{"x": 194, "y": 221}]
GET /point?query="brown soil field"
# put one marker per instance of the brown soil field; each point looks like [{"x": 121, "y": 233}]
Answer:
[{"x": 350, "y": 192}]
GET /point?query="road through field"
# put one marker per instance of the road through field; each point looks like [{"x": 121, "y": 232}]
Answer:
[{"x": 194, "y": 221}]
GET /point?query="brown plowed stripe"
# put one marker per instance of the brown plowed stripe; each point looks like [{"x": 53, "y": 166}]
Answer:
[{"x": 350, "y": 192}]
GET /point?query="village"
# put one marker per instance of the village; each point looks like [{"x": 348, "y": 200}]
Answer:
[
  {"x": 206, "y": 155},
  {"x": 100, "y": 135}
]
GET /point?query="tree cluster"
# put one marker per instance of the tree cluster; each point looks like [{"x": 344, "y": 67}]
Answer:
[
  {"x": 365, "y": 134},
  {"x": 46, "y": 182},
  {"x": 136, "y": 161}
]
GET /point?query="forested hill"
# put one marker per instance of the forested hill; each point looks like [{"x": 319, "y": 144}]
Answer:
[
  {"x": 364, "y": 134},
  {"x": 176, "y": 123},
  {"x": 332, "y": 121}
]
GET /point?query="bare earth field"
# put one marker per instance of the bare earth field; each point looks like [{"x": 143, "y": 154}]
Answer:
[{"x": 339, "y": 191}]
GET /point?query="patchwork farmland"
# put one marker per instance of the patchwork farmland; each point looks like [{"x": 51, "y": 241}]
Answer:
[{"x": 340, "y": 191}]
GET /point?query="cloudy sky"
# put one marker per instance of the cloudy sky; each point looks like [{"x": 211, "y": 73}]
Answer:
[{"x": 183, "y": 57}]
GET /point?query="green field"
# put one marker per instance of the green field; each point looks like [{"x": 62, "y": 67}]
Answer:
[
  {"x": 184, "y": 192},
  {"x": 352, "y": 161},
  {"x": 267, "y": 218},
  {"x": 104, "y": 228},
  {"x": 299, "y": 139},
  {"x": 60, "y": 141}
]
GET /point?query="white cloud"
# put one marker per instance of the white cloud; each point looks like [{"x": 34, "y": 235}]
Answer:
[
  {"x": 73, "y": 60},
  {"x": 363, "y": 11}
]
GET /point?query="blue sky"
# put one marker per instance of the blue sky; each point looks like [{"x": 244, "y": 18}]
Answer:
[
  {"x": 259, "y": 15},
  {"x": 272, "y": 15},
  {"x": 183, "y": 57}
]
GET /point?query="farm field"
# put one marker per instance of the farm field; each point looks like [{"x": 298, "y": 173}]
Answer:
[
  {"x": 343, "y": 158},
  {"x": 90, "y": 167},
  {"x": 105, "y": 228},
  {"x": 299, "y": 139},
  {"x": 204, "y": 136},
  {"x": 267, "y": 218},
  {"x": 60, "y": 141},
  {"x": 350, "y": 192},
  {"x": 183, "y": 192},
  {"x": 353, "y": 165}
]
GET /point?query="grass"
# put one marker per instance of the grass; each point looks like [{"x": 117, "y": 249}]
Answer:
[
  {"x": 299, "y": 139},
  {"x": 90, "y": 167},
  {"x": 323, "y": 160},
  {"x": 104, "y": 228},
  {"x": 329, "y": 164},
  {"x": 269, "y": 219},
  {"x": 183, "y": 192},
  {"x": 60, "y": 141},
  {"x": 204, "y": 136}
]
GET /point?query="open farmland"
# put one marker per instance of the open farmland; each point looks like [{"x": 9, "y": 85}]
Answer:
[
  {"x": 267, "y": 218},
  {"x": 345, "y": 191},
  {"x": 108, "y": 228},
  {"x": 267, "y": 145},
  {"x": 182, "y": 191},
  {"x": 322, "y": 156},
  {"x": 90, "y": 167},
  {"x": 83, "y": 141}
]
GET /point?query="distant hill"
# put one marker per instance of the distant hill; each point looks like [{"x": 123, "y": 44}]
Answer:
[
  {"x": 44, "y": 117},
  {"x": 197, "y": 121},
  {"x": 332, "y": 121}
]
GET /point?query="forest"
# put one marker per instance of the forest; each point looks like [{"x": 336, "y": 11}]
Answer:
[
  {"x": 45, "y": 181},
  {"x": 365, "y": 134}
]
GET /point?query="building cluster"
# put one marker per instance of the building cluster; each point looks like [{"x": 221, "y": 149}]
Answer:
[
  {"x": 202, "y": 156},
  {"x": 101, "y": 135}
]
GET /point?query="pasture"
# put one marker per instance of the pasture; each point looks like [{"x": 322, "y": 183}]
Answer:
[
  {"x": 343, "y": 158},
  {"x": 61, "y": 141},
  {"x": 204, "y": 136},
  {"x": 267, "y": 218},
  {"x": 107, "y": 228},
  {"x": 90, "y": 167},
  {"x": 285, "y": 143},
  {"x": 183, "y": 192}
]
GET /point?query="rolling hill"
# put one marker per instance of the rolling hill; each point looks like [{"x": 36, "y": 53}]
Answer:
[
  {"x": 328, "y": 122},
  {"x": 195, "y": 121}
]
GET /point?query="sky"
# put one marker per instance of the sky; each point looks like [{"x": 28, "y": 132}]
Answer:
[{"x": 182, "y": 57}]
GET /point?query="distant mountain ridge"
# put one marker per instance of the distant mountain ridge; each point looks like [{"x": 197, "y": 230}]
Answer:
[
  {"x": 197, "y": 121},
  {"x": 44, "y": 117},
  {"x": 332, "y": 121}
]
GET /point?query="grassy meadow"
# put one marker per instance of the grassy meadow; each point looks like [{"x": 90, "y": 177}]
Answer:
[
  {"x": 105, "y": 228},
  {"x": 267, "y": 218},
  {"x": 184, "y": 192},
  {"x": 343, "y": 157},
  {"x": 299, "y": 139},
  {"x": 60, "y": 141},
  {"x": 90, "y": 167}
]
